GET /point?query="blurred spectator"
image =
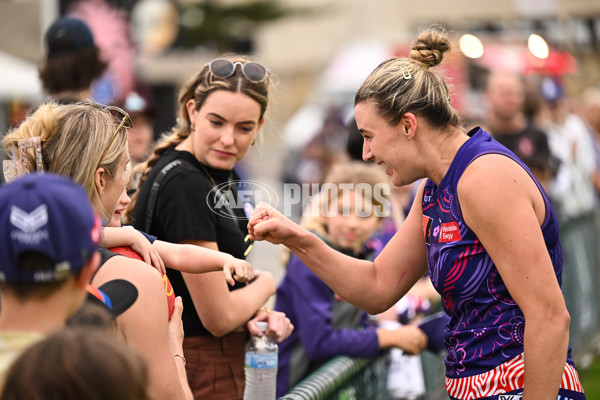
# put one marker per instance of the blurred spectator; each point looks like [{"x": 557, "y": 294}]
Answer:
[
  {"x": 141, "y": 111},
  {"x": 140, "y": 137},
  {"x": 324, "y": 150},
  {"x": 78, "y": 364},
  {"x": 354, "y": 144},
  {"x": 72, "y": 61},
  {"x": 325, "y": 324},
  {"x": 590, "y": 109},
  {"x": 506, "y": 120},
  {"x": 572, "y": 190},
  {"x": 590, "y": 112},
  {"x": 88, "y": 143}
]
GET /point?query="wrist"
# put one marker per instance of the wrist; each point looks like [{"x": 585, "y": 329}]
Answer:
[
  {"x": 229, "y": 259},
  {"x": 299, "y": 240},
  {"x": 385, "y": 338},
  {"x": 176, "y": 345},
  {"x": 256, "y": 276}
]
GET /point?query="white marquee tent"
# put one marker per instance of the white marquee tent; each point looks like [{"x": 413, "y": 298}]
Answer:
[{"x": 18, "y": 79}]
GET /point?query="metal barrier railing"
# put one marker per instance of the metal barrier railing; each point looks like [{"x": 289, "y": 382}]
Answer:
[
  {"x": 350, "y": 378},
  {"x": 344, "y": 378},
  {"x": 580, "y": 240}
]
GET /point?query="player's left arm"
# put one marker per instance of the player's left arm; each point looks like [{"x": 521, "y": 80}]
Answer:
[{"x": 503, "y": 206}]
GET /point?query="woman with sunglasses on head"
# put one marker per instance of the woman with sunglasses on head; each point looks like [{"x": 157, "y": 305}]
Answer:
[
  {"x": 481, "y": 225},
  {"x": 221, "y": 110},
  {"x": 86, "y": 142}
]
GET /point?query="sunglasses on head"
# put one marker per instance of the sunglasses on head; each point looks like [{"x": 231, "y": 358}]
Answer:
[
  {"x": 224, "y": 68},
  {"x": 118, "y": 114}
]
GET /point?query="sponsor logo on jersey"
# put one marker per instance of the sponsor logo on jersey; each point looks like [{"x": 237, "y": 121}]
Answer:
[
  {"x": 427, "y": 222},
  {"x": 449, "y": 232}
]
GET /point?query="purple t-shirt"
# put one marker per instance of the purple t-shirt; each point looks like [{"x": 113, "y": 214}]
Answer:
[{"x": 325, "y": 326}]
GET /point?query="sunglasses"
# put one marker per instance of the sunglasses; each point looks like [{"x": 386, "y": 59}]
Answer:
[
  {"x": 224, "y": 68},
  {"x": 117, "y": 113}
]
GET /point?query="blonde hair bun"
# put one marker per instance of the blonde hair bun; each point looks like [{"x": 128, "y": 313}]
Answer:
[{"x": 430, "y": 46}]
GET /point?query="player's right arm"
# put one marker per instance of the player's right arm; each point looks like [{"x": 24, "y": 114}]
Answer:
[{"x": 372, "y": 286}]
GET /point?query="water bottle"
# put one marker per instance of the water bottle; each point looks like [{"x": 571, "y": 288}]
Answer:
[{"x": 261, "y": 366}]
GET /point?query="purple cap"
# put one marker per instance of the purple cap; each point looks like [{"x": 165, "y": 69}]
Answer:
[
  {"x": 67, "y": 36},
  {"x": 49, "y": 215}
]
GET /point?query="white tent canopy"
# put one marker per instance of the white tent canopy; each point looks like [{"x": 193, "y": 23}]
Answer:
[{"x": 18, "y": 79}]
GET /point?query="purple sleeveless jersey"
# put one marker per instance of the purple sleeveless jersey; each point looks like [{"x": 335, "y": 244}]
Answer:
[{"x": 486, "y": 327}]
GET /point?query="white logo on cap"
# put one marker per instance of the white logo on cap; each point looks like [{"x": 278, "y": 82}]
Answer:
[{"x": 29, "y": 224}]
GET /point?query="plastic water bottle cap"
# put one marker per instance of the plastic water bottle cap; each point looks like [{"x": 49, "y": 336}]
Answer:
[{"x": 262, "y": 325}]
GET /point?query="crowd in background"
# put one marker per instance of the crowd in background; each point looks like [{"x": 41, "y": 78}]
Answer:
[{"x": 556, "y": 134}]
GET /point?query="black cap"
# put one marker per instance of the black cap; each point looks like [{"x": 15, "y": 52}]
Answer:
[{"x": 67, "y": 36}]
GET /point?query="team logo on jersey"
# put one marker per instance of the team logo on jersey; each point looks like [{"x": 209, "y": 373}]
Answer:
[
  {"x": 510, "y": 397},
  {"x": 449, "y": 232},
  {"x": 427, "y": 222}
]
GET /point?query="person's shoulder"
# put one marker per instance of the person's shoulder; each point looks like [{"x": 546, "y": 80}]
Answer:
[
  {"x": 491, "y": 173},
  {"x": 17, "y": 340},
  {"x": 13, "y": 343},
  {"x": 137, "y": 272},
  {"x": 151, "y": 304},
  {"x": 173, "y": 160},
  {"x": 490, "y": 166},
  {"x": 184, "y": 173}
]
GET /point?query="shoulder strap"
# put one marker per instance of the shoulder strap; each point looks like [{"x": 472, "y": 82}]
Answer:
[
  {"x": 154, "y": 191},
  {"x": 156, "y": 186}
]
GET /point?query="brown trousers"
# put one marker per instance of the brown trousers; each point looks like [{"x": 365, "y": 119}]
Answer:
[{"x": 215, "y": 366}]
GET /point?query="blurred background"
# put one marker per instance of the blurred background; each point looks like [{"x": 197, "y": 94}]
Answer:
[{"x": 319, "y": 52}]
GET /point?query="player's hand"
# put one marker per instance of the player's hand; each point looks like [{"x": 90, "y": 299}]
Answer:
[{"x": 266, "y": 223}]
